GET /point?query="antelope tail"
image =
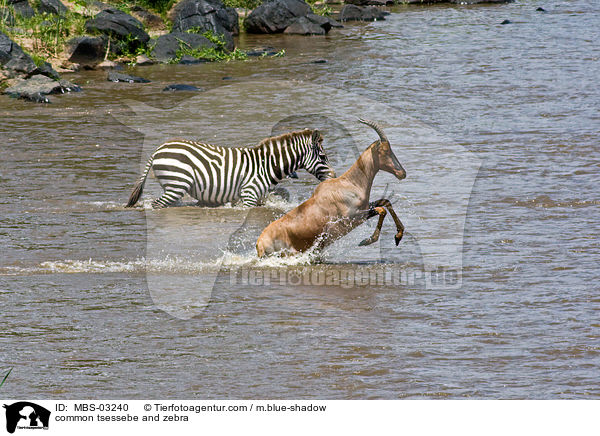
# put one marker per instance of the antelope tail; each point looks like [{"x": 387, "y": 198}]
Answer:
[
  {"x": 376, "y": 127},
  {"x": 138, "y": 188}
]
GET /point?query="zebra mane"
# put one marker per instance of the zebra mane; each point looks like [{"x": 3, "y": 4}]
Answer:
[{"x": 285, "y": 138}]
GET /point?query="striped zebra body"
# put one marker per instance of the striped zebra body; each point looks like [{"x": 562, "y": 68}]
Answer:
[{"x": 216, "y": 175}]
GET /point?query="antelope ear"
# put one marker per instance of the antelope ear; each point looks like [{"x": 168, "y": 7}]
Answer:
[{"x": 316, "y": 137}]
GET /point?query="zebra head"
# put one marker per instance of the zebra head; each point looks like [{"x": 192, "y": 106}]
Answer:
[{"x": 315, "y": 160}]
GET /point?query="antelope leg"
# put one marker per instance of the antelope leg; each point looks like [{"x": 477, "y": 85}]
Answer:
[
  {"x": 375, "y": 236},
  {"x": 399, "y": 226}
]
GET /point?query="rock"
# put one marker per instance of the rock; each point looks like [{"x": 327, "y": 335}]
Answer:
[
  {"x": 97, "y": 6},
  {"x": 37, "y": 87},
  {"x": 51, "y": 7},
  {"x": 304, "y": 26},
  {"x": 118, "y": 25},
  {"x": 506, "y": 22},
  {"x": 47, "y": 70},
  {"x": 275, "y": 16},
  {"x": 177, "y": 87},
  {"x": 476, "y": 2},
  {"x": 206, "y": 15},
  {"x": 144, "y": 60},
  {"x": 86, "y": 50},
  {"x": 67, "y": 68},
  {"x": 13, "y": 59},
  {"x": 261, "y": 51},
  {"x": 167, "y": 46},
  {"x": 319, "y": 61},
  {"x": 359, "y": 13},
  {"x": 109, "y": 65},
  {"x": 68, "y": 86},
  {"x": 540, "y": 9},
  {"x": 368, "y": 2},
  {"x": 22, "y": 7},
  {"x": 126, "y": 78},
  {"x": 325, "y": 22},
  {"x": 191, "y": 60},
  {"x": 147, "y": 18}
]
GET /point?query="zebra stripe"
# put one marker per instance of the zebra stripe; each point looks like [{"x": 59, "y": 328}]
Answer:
[{"x": 216, "y": 175}]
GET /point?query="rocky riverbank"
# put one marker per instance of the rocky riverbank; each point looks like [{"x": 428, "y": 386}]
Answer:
[{"x": 42, "y": 40}]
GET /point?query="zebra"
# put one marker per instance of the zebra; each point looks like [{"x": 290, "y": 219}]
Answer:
[{"x": 216, "y": 175}]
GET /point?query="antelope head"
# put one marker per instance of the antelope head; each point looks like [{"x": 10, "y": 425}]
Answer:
[{"x": 383, "y": 154}]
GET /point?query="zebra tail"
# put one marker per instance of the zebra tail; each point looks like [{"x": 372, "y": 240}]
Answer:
[{"x": 138, "y": 188}]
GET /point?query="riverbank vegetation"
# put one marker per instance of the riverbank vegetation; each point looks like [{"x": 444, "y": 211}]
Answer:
[
  {"x": 50, "y": 37},
  {"x": 44, "y": 36}
]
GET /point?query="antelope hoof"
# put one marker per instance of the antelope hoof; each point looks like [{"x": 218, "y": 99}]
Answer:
[
  {"x": 367, "y": 241},
  {"x": 398, "y": 237}
]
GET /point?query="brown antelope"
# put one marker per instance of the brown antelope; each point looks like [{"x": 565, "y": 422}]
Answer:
[{"x": 337, "y": 206}]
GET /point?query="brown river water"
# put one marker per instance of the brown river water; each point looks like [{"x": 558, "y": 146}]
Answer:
[{"x": 497, "y": 127}]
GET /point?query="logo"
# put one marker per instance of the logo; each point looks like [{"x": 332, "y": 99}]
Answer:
[{"x": 25, "y": 415}]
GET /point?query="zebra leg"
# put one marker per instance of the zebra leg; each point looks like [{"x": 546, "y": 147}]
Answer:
[
  {"x": 249, "y": 196},
  {"x": 169, "y": 197}
]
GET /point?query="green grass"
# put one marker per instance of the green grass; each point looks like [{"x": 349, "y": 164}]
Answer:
[
  {"x": 5, "y": 12},
  {"x": 38, "y": 60},
  {"x": 48, "y": 32},
  {"x": 212, "y": 54},
  {"x": 324, "y": 10},
  {"x": 5, "y": 377},
  {"x": 246, "y": 4}
]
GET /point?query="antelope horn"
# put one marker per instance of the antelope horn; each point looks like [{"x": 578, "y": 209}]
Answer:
[{"x": 375, "y": 127}]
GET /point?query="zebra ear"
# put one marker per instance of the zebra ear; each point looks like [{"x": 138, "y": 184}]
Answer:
[{"x": 316, "y": 137}]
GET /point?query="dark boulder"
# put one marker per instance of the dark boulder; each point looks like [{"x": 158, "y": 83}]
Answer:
[
  {"x": 125, "y": 78},
  {"x": 143, "y": 60},
  {"x": 275, "y": 16},
  {"x": 13, "y": 60},
  {"x": 191, "y": 60},
  {"x": 21, "y": 7},
  {"x": 47, "y": 70},
  {"x": 206, "y": 15},
  {"x": 98, "y": 6},
  {"x": 369, "y": 2},
  {"x": 37, "y": 87},
  {"x": 325, "y": 22},
  {"x": 86, "y": 50},
  {"x": 51, "y": 7},
  {"x": 118, "y": 25},
  {"x": 261, "y": 51},
  {"x": 475, "y": 2},
  {"x": 68, "y": 86},
  {"x": 178, "y": 87},
  {"x": 167, "y": 46},
  {"x": 359, "y": 13},
  {"x": 147, "y": 18},
  {"x": 506, "y": 22},
  {"x": 305, "y": 26}
]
